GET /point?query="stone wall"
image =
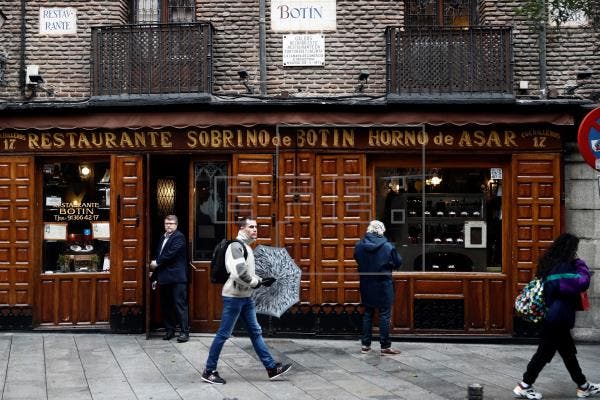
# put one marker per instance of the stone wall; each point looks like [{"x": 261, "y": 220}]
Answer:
[{"x": 582, "y": 209}]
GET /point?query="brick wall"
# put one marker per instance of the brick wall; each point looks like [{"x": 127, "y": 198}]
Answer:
[
  {"x": 63, "y": 60},
  {"x": 358, "y": 44}
]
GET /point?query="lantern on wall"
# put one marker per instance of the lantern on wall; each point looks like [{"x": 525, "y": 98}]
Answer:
[{"x": 165, "y": 196}]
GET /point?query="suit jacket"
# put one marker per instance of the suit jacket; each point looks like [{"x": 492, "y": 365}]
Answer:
[{"x": 172, "y": 261}]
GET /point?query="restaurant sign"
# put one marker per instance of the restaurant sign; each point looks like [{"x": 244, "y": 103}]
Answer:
[{"x": 234, "y": 138}]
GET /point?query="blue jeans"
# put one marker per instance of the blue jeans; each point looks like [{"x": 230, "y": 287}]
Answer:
[
  {"x": 233, "y": 308},
  {"x": 384, "y": 326}
]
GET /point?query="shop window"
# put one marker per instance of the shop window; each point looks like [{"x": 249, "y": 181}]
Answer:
[
  {"x": 441, "y": 13},
  {"x": 76, "y": 210},
  {"x": 445, "y": 220},
  {"x": 210, "y": 205},
  {"x": 165, "y": 11}
]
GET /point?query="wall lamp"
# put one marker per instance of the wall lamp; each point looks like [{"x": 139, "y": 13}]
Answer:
[
  {"x": 362, "y": 81},
  {"x": 581, "y": 75},
  {"x": 35, "y": 81},
  {"x": 243, "y": 74}
]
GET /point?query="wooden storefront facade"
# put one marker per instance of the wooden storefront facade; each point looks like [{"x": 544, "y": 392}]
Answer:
[{"x": 312, "y": 185}]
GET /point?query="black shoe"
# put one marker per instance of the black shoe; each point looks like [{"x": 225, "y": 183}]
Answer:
[
  {"x": 278, "y": 370},
  {"x": 169, "y": 335},
  {"x": 212, "y": 377},
  {"x": 184, "y": 337}
]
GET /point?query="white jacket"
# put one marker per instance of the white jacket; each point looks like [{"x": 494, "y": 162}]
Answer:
[{"x": 242, "y": 278}]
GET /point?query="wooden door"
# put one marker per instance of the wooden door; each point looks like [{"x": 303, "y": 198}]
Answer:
[
  {"x": 252, "y": 191},
  {"x": 535, "y": 217},
  {"x": 343, "y": 210},
  {"x": 297, "y": 200},
  {"x": 127, "y": 253},
  {"x": 16, "y": 231}
]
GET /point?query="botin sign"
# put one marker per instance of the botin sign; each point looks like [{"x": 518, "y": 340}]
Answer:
[{"x": 588, "y": 138}]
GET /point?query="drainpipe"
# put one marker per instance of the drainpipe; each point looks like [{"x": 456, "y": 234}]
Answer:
[
  {"x": 23, "y": 44},
  {"x": 542, "y": 49},
  {"x": 262, "y": 51}
]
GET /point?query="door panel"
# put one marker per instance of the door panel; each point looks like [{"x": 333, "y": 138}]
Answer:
[
  {"x": 128, "y": 262},
  {"x": 297, "y": 222},
  {"x": 16, "y": 230},
  {"x": 343, "y": 210},
  {"x": 536, "y": 222},
  {"x": 253, "y": 192}
]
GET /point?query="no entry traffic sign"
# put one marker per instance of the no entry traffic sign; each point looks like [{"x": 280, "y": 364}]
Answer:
[{"x": 588, "y": 138}]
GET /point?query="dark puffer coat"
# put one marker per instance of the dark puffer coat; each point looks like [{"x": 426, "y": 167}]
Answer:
[
  {"x": 561, "y": 292},
  {"x": 376, "y": 258}
]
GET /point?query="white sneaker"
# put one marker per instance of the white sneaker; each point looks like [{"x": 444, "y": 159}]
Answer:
[
  {"x": 592, "y": 390},
  {"x": 528, "y": 393}
]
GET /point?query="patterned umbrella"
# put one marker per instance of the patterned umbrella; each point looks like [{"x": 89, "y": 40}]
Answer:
[{"x": 276, "y": 262}]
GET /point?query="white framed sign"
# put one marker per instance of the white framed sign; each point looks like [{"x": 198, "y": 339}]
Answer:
[
  {"x": 303, "y": 50},
  {"x": 101, "y": 230},
  {"x": 475, "y": 234},
  {"x": 58, "y": 21},
  {"x": 55, "y": 231},
  {"x": 303, "y": 15}
]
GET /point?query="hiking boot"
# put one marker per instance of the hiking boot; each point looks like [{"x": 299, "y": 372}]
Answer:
[
  {"x": 278, "y": 370},
  {"x": 389, "y": 352},
  {"x": 592, "y": 390},
  {"x": 365, "y": 349},
  {"x": 212, "y": 377},
  {"x": 526, "y": 393}
]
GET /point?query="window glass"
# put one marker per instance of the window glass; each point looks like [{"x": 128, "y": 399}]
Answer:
[
  {"x": 449, "y": 13},
  {"x": 76, "y": 208},
  {"x": 148, "y": 11},
  {"x": 210, "y": 205},
  {"x": 445, "y": 220}
]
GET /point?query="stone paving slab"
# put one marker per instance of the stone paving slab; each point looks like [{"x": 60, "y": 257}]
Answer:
[{"x": 95, "y": 366}]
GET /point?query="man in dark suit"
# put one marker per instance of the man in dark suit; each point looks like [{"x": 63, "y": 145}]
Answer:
[{"x": 170, "y": 269}]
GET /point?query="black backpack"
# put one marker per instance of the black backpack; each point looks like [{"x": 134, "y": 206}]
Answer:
[{"x": 218, "y": 270}]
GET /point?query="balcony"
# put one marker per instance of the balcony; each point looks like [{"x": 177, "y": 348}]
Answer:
[
  {"x": 151, "y": 59},
  {"x": 445, "y": 64}
]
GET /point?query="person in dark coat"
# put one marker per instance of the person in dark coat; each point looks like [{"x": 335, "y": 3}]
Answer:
[
  {"x": 565, "y": 276},
  {"x": 376, "y": 258},
  {"x": 170, "y": 271}
]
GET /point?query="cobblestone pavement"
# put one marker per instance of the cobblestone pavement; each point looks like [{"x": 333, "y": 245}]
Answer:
[{"x": 102, "y": 366}]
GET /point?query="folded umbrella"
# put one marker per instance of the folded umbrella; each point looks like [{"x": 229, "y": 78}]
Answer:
[{"x": 285, "y": 292}]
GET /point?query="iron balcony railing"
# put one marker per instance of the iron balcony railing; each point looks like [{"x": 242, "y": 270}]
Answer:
[
  {"x": 150, "y": 59},
  {"x": 475, "y": 62}
]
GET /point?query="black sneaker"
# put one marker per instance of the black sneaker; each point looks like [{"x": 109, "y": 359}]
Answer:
[
  {"x": 212, "y": 377},
  {"x": 278, "y": 370}
]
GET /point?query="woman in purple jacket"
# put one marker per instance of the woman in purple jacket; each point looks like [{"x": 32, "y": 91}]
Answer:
[{"x": 565, "y": 277}]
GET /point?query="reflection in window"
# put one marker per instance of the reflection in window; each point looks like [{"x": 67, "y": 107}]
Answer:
[
  {"x": 76, "y": 217},
  {"x": 446, "y": 220},
  {"x": 210, "y": 206},
  {"x": 447, "y": 13}
]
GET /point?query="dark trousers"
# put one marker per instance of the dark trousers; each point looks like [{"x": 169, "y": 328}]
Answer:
[
  {"x": 174, "y": 306},
  {"x": 384, "y": 326},
  {"x": 553, "y": 340}
]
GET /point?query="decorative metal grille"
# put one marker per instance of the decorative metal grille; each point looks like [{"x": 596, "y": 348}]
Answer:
[
  {"x": 434, "y": 61},
  {"x": 152, "y": 59}
]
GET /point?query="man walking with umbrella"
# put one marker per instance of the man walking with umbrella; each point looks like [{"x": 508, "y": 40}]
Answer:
[
  {"x": 237, "y": 302},
  {"x": 376, "y": 258}
]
